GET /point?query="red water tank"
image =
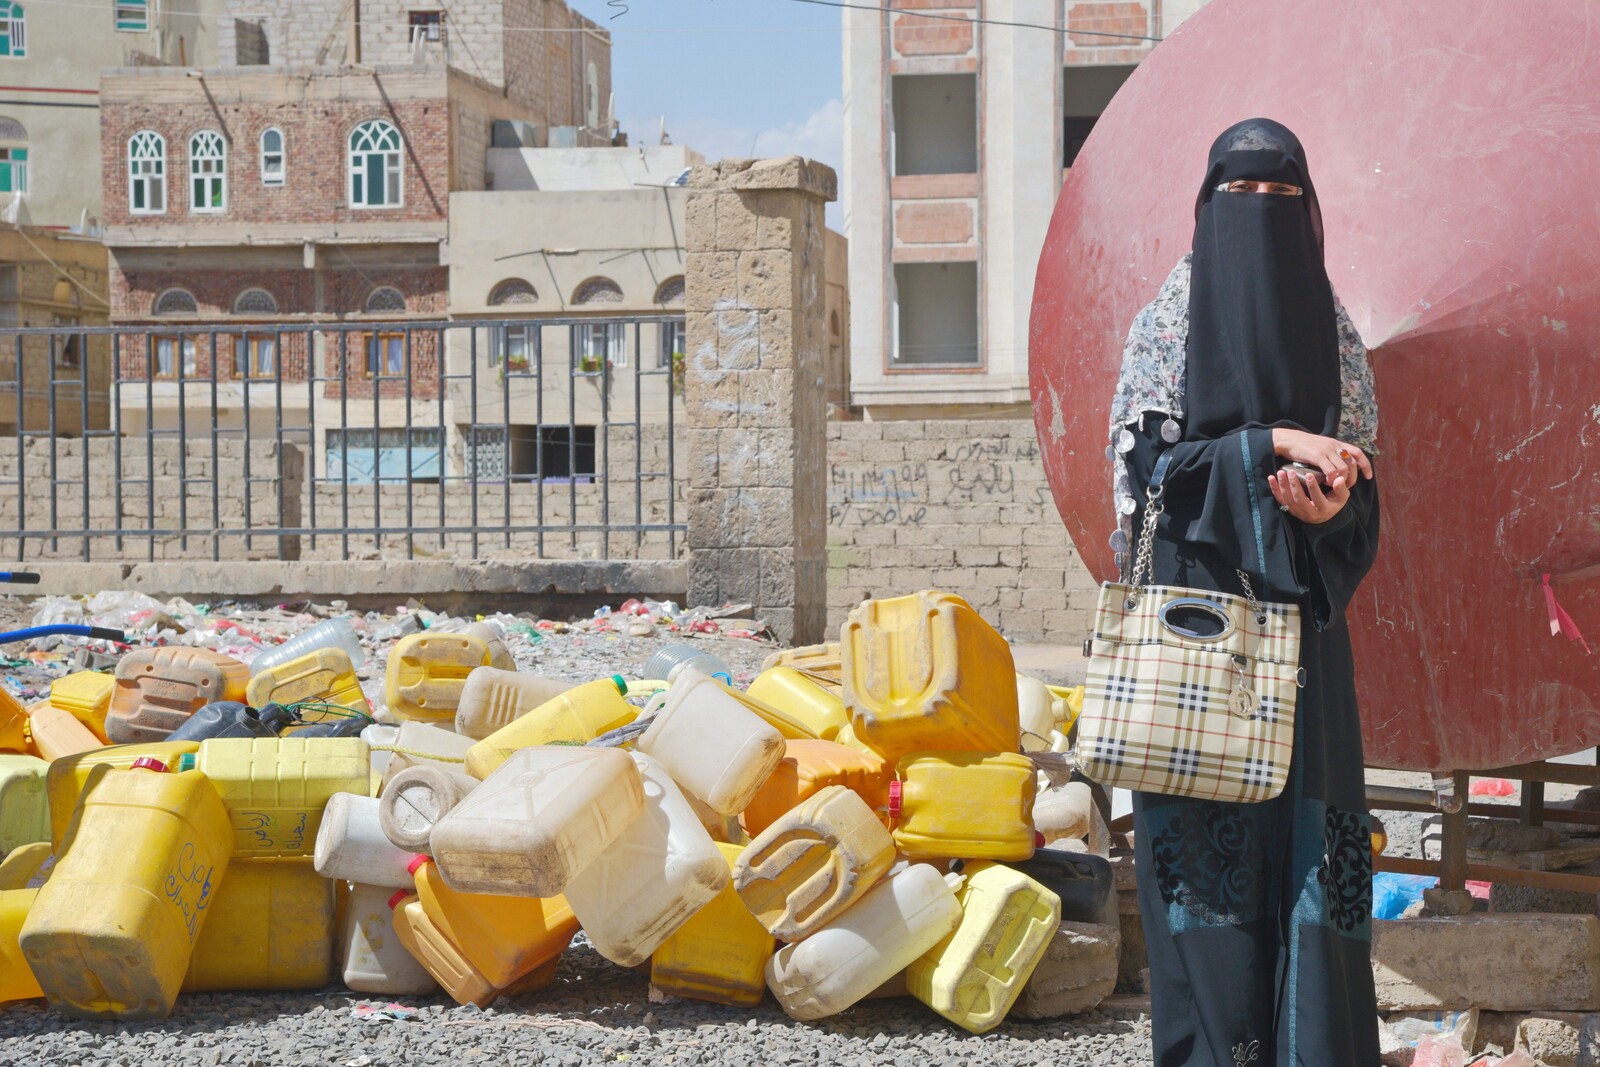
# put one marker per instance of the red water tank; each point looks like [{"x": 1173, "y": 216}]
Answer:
[{"x": 1456, "y": 152}]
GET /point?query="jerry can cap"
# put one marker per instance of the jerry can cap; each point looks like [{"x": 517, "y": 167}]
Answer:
[
  {"x": 148, "y": 763},
  {"x": 621, "y": 683},
  {"x": 417, "y": 863},
  {"x": 186, "y": 761},
  {"x": 399, "y": 895},
  {"x": 895, "y": 790}
]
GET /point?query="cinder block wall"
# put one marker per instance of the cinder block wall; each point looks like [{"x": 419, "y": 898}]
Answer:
[{"x": 960, "y": 505}]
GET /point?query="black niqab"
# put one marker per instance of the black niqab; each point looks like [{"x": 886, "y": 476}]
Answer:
[{"x": 1263, "y": 346}]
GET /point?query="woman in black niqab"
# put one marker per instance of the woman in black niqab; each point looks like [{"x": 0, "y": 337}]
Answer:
[{"x": 1257, "y": 916}]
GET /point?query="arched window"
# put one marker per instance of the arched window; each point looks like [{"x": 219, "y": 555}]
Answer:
[
  {"x": 384, "y": 298},
  {"x": 208, "y": 172},
  {"x": 598, "y": 291},
  {"x": 255, "y": 302},
  {"x": 375, "y": 165},
  {"x": 513, "y": 291},
  {"x": 272, "y": 157},
  {"x": 13, "y": 32},
  {"x": 147, "y": 173},
  {"x": 175, "y": 302},
  {"x": 13, "y": 157},
  {"x": 671, "y": 292}
]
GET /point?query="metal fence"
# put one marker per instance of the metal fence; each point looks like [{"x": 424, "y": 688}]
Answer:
[{"x": 544, "y": 438}]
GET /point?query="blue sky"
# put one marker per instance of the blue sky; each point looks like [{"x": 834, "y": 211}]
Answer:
[{"x": 726, "y": 74}]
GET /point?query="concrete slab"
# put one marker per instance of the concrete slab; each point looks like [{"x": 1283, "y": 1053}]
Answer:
[
  {"x": 1078, "y": 971},
  {"x": 1496, "y": 962}
]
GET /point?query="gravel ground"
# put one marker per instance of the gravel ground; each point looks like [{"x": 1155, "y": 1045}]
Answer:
[{"x": 594, "y": 1013}]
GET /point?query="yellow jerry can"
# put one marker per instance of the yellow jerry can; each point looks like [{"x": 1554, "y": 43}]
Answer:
[
  {"x": 326, "y": 675},
  {"x": 271, "y": 927},
  {"x": 68, "y": 777},
  {"x": 720, "y": 954},
  {"x": 799, "y": 706},
  {"x": 577, "y": 716},
  {"x": 87, "y": 695},
  {"x": 276, "y": 787},
  {"x": 964, "y": 805},
  {"x": 427, "y": 672}
]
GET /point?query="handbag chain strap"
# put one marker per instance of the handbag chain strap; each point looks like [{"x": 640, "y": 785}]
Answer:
[{"x": 1143, "y": 560}]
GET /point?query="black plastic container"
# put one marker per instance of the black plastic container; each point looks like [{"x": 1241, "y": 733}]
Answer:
[
  {"x": 350, "y": 726},
  {"x": 1081, "y": 880},
  {"x": 230, "y": 718}
]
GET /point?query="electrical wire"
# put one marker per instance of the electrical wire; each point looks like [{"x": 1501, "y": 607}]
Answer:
[{"x": 882, "y": 9}]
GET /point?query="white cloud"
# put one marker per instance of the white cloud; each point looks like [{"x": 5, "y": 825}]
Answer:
[{"x": 820, "y": 136}]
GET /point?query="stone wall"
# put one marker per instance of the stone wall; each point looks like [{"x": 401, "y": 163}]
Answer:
[
  {"x": 52, "y": 498},
  {"x": 960, "y": 505}
]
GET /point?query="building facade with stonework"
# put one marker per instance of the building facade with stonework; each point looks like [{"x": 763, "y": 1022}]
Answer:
[
  {"x": 51, "y": 54},
  {"x": 54, "y": 279},
  {"x": 958, "y": 135},
  {"x": 308, "y": 181}
]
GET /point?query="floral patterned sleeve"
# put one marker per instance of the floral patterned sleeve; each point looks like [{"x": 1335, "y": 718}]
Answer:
[{"x": 1358, "y": 400}]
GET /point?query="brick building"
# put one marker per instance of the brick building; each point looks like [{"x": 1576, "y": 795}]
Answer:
[
  {"x": 292, "y": 186},
  {"x": 958, "y": 135}
]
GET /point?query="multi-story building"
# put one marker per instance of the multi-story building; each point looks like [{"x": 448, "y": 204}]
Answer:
[
  {"x": 308, "y": 180},
  {"x": 51, "y": 55},
  {"x": 962, "y": 120},
  {"x": 54, "y": 279}
]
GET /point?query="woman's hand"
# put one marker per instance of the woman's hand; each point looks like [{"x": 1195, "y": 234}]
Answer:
[
  {"x": 1329, "y": 455},
  {"x": 1303, "y": 498}
]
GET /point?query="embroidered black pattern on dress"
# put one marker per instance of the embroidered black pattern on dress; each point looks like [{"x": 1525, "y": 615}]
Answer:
[
  {"x": 1346, "y": 871},
  {"x": 1208, "y": 861}
]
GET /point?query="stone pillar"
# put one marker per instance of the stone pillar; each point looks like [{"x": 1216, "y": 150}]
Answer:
[{"x": 754, "y": 390}]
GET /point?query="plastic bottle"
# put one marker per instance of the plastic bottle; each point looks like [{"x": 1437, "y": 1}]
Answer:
[
  {"x": 1062, "y": 811},
  {"x": 426, "y": 673},
  {"x": 54, "y": 733},
  {"x": 351, "y": 845},
  {"x": 661, "y": 870},
  {"x": 805, "y": 708},
  {"x": 69, "y": 778},
  {"x": 16, "y": 978},
  {"x": 666, "y": 662},
  {"x": 964, "y": 804},
  {"x": 975, "y": 974},
  {"x": 422, "y": 744},
  {"x": 539, "y": 819},
  {"x": 87, "y": 694},
  {"x": 158, "y": 688},
  {"x": 711, "y": 744},
  {"x": 416, "y": 799},
  {"x": 493, "y": 698},
  {"x": 577, "y": 716},
  {"x": 1035, "y": 713},
  {"x": 1080, "y": 880},
  {"x": 924, "y": 673},
  {"x": 453, "y": 971},
  {"x": 275, "y": 788},
  {"x": 814, "y": 862},
  {"x": 720, "y": 954},
  {"x": 326, "y": 675},
  {"x": 22, "y": 863},
  {"x": 230, "y": 718},
  {"x": 271, "y": 927},
  {"x": 24, "y": 811},
  {"x": 13, "y": 723},
  {"x": 492, "y": 635},
  {"x": 375, "y": 961},
  {"x": 504, "y": 938},
  {"x": 112, "y": 931},
  {"x": 898, "y": 920},
  {"x": 807, "y": 768},
  {"x": 337, "y": 633}
]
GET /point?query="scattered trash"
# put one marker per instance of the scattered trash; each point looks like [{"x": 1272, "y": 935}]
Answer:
[
  {"x": 1492, "y": 787},
  {"x": 1393, "y": 893},
  {"x": 370, "y": 1011}
]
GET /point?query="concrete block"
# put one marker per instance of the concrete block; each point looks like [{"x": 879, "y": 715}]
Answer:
[
  {"x": 1504, "y": 897},
  {"x": 1495, "y": 962},
  {"x": 1079, "y": 970},
  {"x": 1551, "y": 1038}
]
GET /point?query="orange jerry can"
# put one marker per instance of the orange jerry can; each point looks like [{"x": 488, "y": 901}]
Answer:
[
  {"x": 807, "y": 768},
  {"x": 157, "y": 689}
]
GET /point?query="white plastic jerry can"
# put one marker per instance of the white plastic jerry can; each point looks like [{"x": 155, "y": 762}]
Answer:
[
  {"x": 374, "y": 959},
  {"x": 714, "y": 746}
]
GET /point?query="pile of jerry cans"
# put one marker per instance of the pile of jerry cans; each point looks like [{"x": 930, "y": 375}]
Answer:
[{"x": 860, "y": 821}]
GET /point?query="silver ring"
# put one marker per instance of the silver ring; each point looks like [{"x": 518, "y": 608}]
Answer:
[{"x": 1283, "y": 507}]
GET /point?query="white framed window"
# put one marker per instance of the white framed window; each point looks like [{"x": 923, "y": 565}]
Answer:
[
  {"x": 386, "y": 354},
  {"x": 208, "y": 172},
  {"x": 255, "y": 356},
  {"x": 427, "y": 26},
  {"x": 513, "y": 346},
  {"x": 147, "y": 173},
  {"x": 375, "y": 165},
  {"x": 132, "y": 15},
  {"x": 674, "y": 341},
  {"x": 13, "y": 170},
  {"x": 272, "y": 156},
  {"x": 168, "y": 350},
  {"x": 13, "y": 30},
  {"x": 598, "y": 344}
]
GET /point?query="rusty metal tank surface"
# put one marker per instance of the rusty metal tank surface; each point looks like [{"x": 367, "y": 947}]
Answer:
[{"x": 1448, "y": 155}]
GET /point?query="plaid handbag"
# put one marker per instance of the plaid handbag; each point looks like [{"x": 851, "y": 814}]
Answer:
[{"x": 1190, "y": 692}]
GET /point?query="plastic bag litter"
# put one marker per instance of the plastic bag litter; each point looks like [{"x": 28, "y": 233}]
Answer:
[
  {"x": 1409, "y": 1030},
  {"x": 1393, "y": 893}
]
